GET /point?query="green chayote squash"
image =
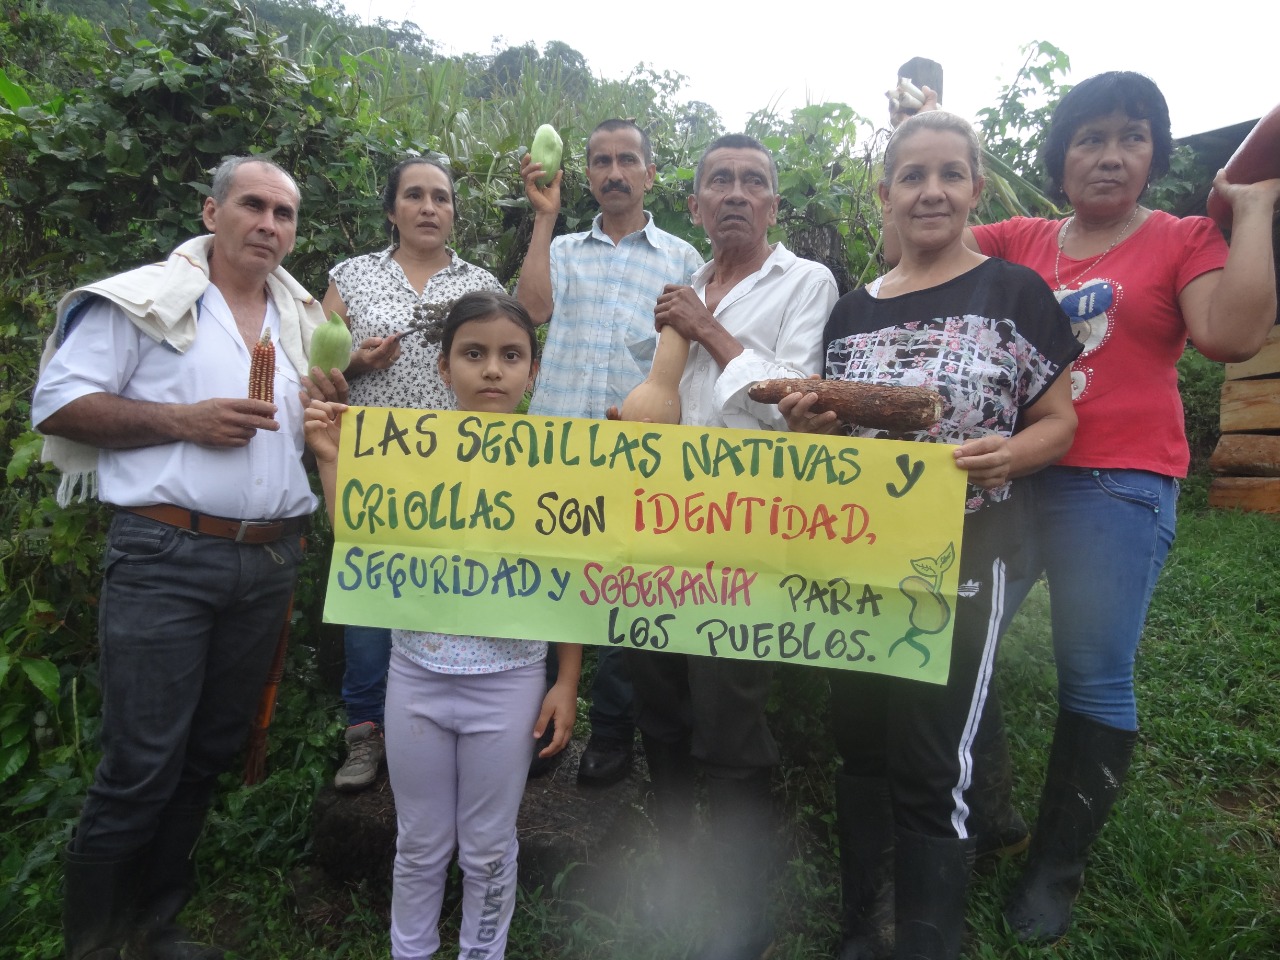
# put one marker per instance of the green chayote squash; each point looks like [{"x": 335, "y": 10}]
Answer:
[
  {"x": 548, "y": 150},
  {"x": 331, "y": 345}
]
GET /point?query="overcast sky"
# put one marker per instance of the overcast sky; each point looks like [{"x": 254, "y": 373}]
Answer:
[{"x": 741, "y": 57}]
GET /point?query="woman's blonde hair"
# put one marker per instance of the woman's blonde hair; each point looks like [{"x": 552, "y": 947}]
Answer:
[{"x": 940, "y": 121}]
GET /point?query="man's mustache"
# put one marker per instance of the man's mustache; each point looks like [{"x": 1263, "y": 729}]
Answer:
[{"x": 615, "y": 185}]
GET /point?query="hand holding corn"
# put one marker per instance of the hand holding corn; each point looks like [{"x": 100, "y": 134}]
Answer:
[
  {"x": 219, "y": 422},
  {"x": 232, "y": 422}
]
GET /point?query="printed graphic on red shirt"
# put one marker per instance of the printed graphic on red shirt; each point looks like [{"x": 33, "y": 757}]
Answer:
[{"x": 1090, "y": 311}]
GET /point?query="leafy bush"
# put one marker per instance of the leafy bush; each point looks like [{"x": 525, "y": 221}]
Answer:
[
  {"x": 827, "y": 182},
  {"x": 1200, "y": 383}
]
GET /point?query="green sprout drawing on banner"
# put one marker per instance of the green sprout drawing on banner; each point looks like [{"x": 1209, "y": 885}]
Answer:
[{"x": 930, "y": 612}]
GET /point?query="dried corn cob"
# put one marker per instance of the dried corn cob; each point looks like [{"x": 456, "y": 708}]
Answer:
[
  {"x": 875, "y": 405},
  {"x": 262, "y": 369}
]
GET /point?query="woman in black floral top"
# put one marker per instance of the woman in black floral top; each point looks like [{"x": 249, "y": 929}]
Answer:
[
  {"x": 989, "y": 337},
  {"x": 394, "y": 302}
]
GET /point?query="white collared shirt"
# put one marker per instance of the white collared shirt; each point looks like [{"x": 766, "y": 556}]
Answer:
[
  {"x": 777, "y": 314},
  {"x": 106, "y": 353}
]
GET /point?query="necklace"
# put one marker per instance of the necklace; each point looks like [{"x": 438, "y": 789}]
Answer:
[{"x": 1062, "y": 242}]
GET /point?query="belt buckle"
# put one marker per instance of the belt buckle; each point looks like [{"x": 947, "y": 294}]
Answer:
[{"x": 247, "y": 525}]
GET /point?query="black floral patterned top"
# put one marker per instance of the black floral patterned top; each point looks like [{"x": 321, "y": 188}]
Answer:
[
  {"x": 989, "y": 341},
  {"x": 380, "y": 302}
]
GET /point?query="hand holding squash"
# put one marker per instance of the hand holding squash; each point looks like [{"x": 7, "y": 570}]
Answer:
[
  {"x": 657, "y": 398},
  {"x": 679, "y": 315}
]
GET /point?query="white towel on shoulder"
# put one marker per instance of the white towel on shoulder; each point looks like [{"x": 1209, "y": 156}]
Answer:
[{"x": 162, "y": 301}]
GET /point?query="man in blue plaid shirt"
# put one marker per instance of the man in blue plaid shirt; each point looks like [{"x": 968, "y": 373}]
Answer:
[{"x": 598, "y": 289}]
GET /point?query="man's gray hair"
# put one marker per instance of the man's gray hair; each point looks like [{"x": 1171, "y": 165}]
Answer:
[
  {"x": 220, "y": 189},
  {"x": 735, "y": 141}
]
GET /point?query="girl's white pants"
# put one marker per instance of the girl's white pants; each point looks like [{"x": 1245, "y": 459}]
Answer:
[{"x": 458, "y": 752}]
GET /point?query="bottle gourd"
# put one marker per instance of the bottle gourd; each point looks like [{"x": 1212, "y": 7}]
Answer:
[{"x": 657, "y": 397}]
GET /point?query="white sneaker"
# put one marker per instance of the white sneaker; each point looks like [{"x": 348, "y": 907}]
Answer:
[{"x": 365, "y": 750}]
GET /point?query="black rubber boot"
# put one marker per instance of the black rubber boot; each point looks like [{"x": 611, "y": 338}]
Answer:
[
  {"x": 678, "y": 881},
  {"x": 1087, "y": 767},
  {"x": 993, "y": 820},
  {"x": 672, "y": 776},
  {"x": 168, "y": 881},
  {"x": 864, "y": 825},
  {"x": 931, "y": 886},
  {"x": 97, "y": 905},
  {"x": 742, "y": 834}
]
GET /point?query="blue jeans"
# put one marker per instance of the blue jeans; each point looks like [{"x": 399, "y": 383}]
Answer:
[
  {"x": 364, "y": 682},
  {"x": 1101, "y": 537},
  {"x": 187, "y": 625}
]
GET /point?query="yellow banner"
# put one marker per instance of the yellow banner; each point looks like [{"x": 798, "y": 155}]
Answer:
[{"x": 757, "y": 545}]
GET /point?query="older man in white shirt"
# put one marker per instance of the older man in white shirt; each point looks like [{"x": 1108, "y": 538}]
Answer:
[
  {"x": 149, "y": 389},
  {"x": 754, "y": 312}
]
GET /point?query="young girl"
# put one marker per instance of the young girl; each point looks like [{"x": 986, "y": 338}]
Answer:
[
  {"x": 463, "y": 712},
  {"x": 989, "y": 337}
]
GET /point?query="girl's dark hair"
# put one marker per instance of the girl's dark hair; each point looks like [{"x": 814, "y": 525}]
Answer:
[
  {"x": 1101, "y": 96},
  {"x": 482, "y": 304},
  {"x": 392, "y": 189}
]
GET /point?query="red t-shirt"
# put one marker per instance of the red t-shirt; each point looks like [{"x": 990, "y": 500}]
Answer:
[{"x": 1124, "y": 309}]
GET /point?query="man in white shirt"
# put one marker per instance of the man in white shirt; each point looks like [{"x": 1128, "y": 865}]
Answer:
[
  {"x": 754, "y": 312},
  {"x": 151, "y": 377}
]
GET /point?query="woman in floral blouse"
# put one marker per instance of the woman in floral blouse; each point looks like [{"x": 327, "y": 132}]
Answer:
[{"x": 395, "y": 301}]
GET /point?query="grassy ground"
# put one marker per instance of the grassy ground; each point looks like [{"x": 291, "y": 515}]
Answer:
[{"x": 1188, "y": 868}]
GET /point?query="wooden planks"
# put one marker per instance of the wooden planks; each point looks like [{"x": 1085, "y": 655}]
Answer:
[
  {"x": 1255, "y": 494},
  {"x": 1250, "y": 406},
  {"x": 1246, "y": 455},
  {"x": 1265, "y": 363},
  {"x": 1247, "y": 458}
]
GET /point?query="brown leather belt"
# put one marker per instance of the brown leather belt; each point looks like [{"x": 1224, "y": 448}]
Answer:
[{"x": 241, "y": 531}]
